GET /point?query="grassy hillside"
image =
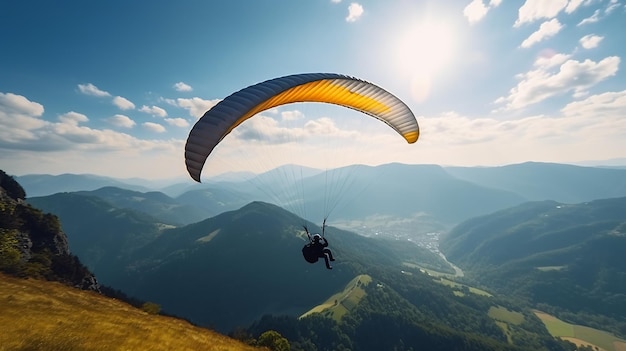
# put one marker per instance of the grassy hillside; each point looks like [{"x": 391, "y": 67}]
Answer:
[
  {"x": 581, "y": 335},
  {"x": 342, "y": 302},
  {"x": 42, "y": 315}
]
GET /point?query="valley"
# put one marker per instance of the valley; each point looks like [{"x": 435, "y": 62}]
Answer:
[{"x": 434, "y": 273}]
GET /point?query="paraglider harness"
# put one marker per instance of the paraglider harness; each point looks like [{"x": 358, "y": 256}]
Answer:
[{"x": 308, "y": 251}]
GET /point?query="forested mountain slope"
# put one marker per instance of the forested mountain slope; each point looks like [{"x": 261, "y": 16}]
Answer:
[{"x": 564, "y": 255}]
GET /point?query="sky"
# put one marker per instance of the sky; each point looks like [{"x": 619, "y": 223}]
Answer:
[{"x": 113, "y": 87}]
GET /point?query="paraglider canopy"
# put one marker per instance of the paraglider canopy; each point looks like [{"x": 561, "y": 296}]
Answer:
[{"x": 330, "y": 88}]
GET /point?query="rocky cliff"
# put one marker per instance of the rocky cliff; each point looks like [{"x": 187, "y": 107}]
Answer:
[{"x": 32, "y": 243}]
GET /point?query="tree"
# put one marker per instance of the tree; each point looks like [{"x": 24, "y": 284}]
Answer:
[
  {"x": 12, "y": 187},
  {"x": 151, "y": 307},
  {"x": 274, "y": 341}
]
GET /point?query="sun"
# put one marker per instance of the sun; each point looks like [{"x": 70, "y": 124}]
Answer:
[{"x": 423, "y": 51}]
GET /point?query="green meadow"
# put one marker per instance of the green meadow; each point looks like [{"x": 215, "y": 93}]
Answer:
[
  {"x": 581, "y": 335},
  {"x": 459, "y": 288},
  {"x": 505, "y": 318},
  {"x": 340, "y": 303}
]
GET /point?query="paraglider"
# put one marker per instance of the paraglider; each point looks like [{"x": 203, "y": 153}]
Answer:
[
  {"x": 330, "y": 88},
  {"x": 316, "y": 248}
]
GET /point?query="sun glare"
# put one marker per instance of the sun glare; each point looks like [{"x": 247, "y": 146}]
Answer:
[{"x": 423, "y": 51}]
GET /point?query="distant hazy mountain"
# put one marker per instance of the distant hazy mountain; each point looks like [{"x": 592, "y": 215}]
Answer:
[
  {"x": 99, "y": 233},
  {"x": 548, "y": 181},
  {"x": 45, "y": 184},
  {"x": 404, "y": 190},
  {"x": 563, "y": 255},
  {"x": 242, "y": 181},
  {"x": 153, "y": 203},
  {"x": 212, "y": 199},
  {"x": 445, "y": 196},
  {"x": 400, "y": 190}
]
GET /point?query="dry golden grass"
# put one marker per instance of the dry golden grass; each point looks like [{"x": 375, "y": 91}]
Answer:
[{"x": 41, "y": 315}]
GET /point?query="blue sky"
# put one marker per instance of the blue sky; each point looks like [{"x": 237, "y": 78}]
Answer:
[{"x": 113, "y": 87}]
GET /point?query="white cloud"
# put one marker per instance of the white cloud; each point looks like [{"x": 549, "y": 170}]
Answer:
[
  {"x": 355, "y": 11},
  {"x": 29, "y": 144},
  {"x": 612, "y": 6},
  {"x": 546, "y": 62},
  {"x": 475, "y": 11},
  {"x": 18, "y": 118},
  {"x": 154, "y": 127},
  {"x": 123, "y": 103},
  {"x": 154, "y": 110},
  {"x": 573, "y": 76},
  {"x": 573, "y": 5},
  {"x": 605, "y": 104},
  {"x": 590, "y": 41},
  {"x": 592, "y": 129},
  {"x": 177, "y": 122},
  {"x": 546, "y": 30},
  {"x": 326, "y": 127},
  {"x": 122, "y": 121},
  {"x": 321, "y": 126},
  {"x": 598, "y": 14},
  {"x": 73, "y": 118},
  {"x": 12, "y": 103},
  {"x": 196, "y": 106},
  {"x": 537, "y": 9},
  {"x": 180, "y": 86},
  {"x": 292, "y": 115},
  {"x": 90, "y": 89},
  {"x": 23, "y": 131},
  {"x": 267, "y": 130},
  {"x": 592, "y": 19},
  {"x": 335, "y": 1}
]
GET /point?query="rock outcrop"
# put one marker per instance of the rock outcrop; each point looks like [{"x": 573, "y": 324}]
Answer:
[{"x": 32, "y": 243}]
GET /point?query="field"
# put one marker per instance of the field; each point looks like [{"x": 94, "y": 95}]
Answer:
[
  {"x": 41, "y": 315},
  {"x": 505, "y": 318},
  {"x": 426, "y": 270},
  {"x": 581, "y": 335},
  {"x": 445, "y": 279},
  {"x": 340, "y": 303},
  {"x": 460, "y": 287},
  {"x": 551, "y": 268}
]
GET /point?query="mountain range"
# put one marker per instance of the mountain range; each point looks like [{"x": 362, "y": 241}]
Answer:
[
  {"x": 238, "y": 262},
  {"x": 537, "y": 181},
  {"x": 568, "y": 256},
  {"x": 446, "y": 195},
  {"x": 136, "y": 253}
]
